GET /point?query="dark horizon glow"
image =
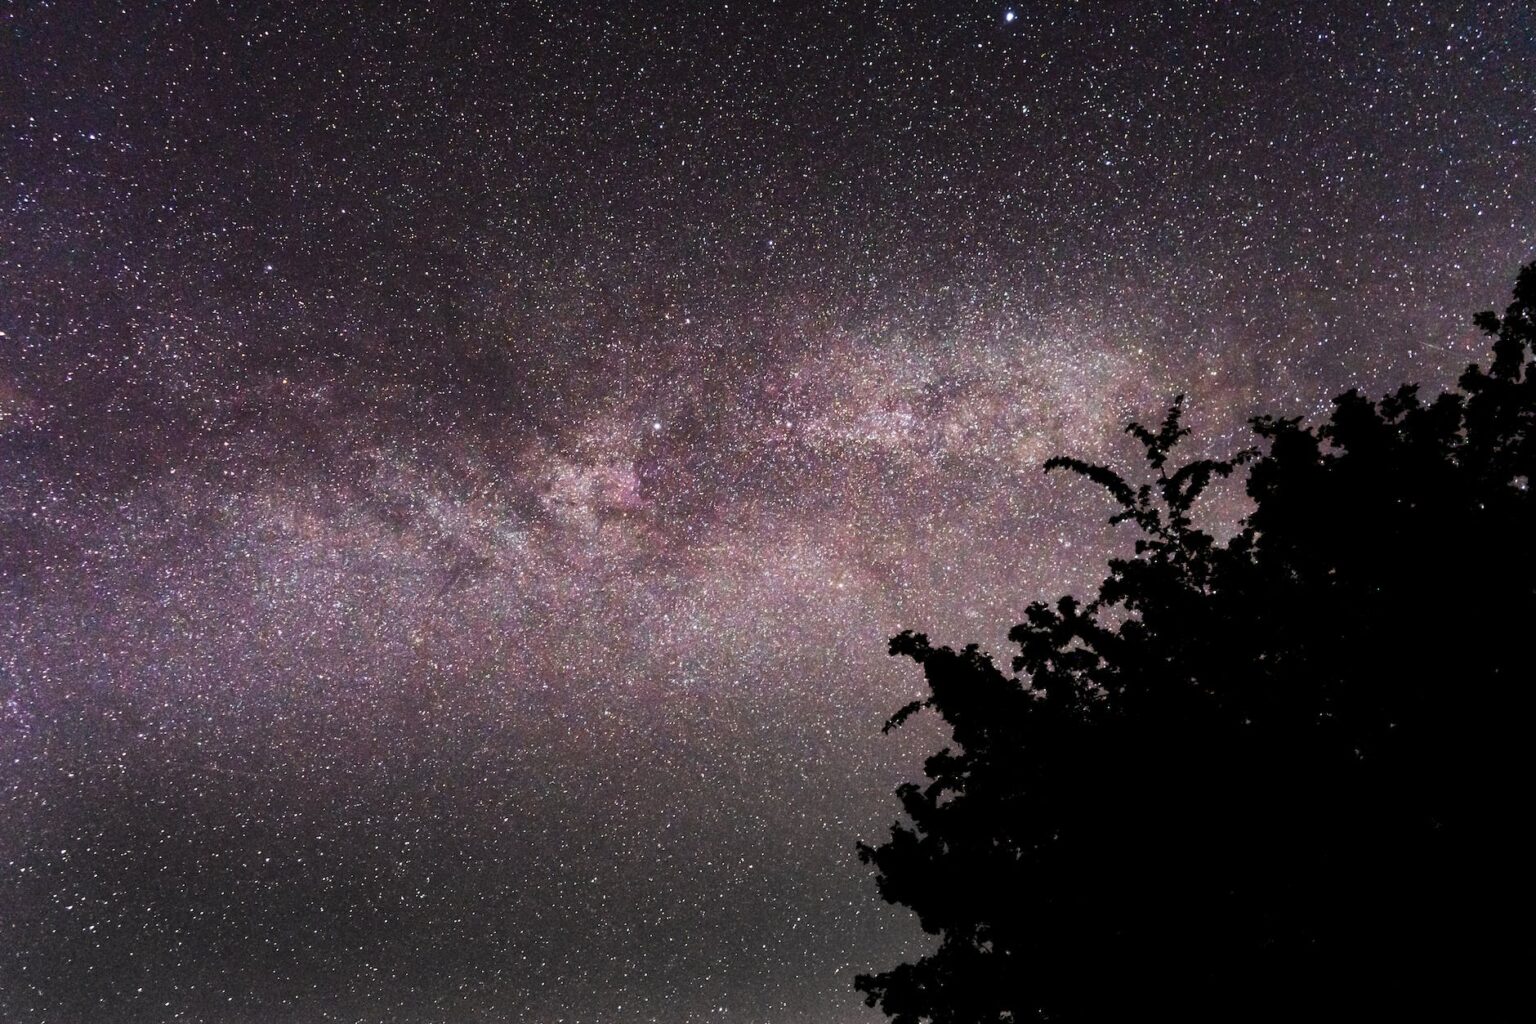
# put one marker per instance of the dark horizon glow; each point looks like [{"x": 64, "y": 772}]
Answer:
[{"x": 460, "y": 466}]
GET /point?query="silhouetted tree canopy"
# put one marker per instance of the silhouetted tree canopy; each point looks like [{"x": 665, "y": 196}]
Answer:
[{"x": 1282, "y": 777}]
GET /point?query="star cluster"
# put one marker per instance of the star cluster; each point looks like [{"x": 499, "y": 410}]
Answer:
[{"x": 460, "y": 463}]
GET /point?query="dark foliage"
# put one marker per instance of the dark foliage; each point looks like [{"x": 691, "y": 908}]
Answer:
[{"x": 1285, "y": 777}]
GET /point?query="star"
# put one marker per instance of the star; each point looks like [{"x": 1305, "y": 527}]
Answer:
[{"x": 487, "y": 619}]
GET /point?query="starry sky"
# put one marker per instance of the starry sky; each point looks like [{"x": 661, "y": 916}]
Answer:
[{"x": 460, "y": 463}]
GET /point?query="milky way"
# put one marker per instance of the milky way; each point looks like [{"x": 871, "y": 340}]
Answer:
[{"x": 459, "y": 465}]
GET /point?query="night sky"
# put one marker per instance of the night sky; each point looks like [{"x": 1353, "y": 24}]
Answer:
[{"x": 460, "y": 465}]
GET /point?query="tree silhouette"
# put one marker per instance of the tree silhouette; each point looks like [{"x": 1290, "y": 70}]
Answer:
[{"x": 1284, "y": 777}]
